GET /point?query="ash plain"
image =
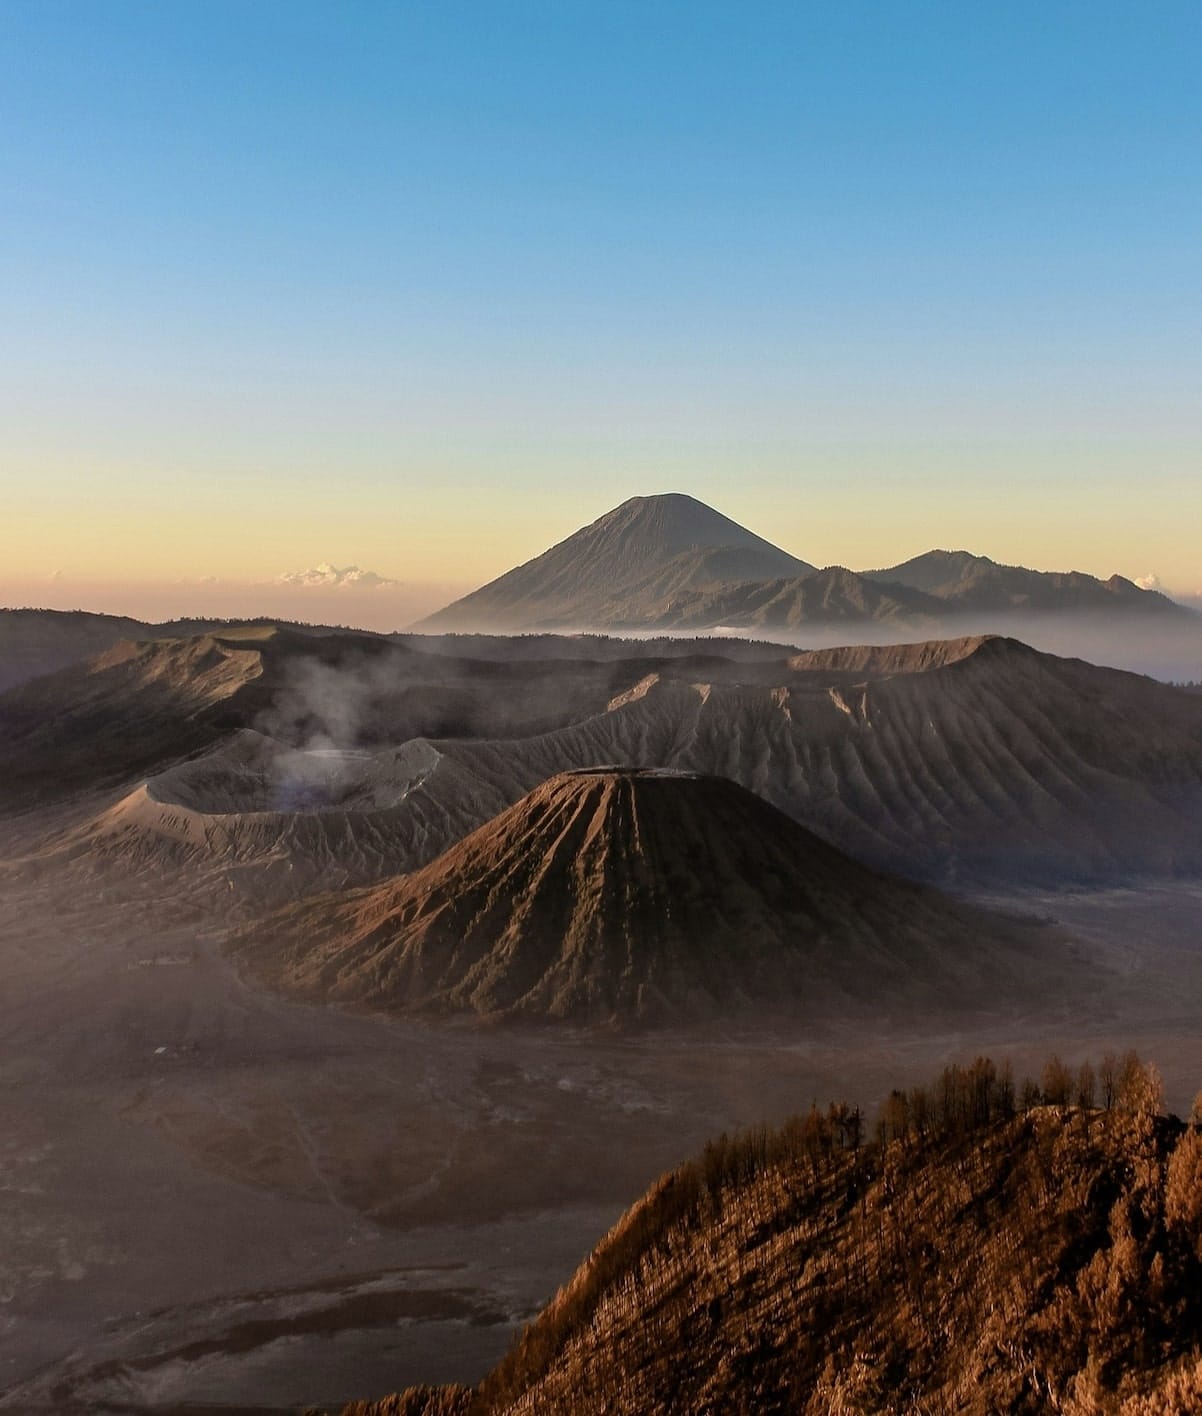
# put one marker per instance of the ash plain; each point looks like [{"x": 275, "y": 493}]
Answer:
[{"x": 216, "y": 1199}]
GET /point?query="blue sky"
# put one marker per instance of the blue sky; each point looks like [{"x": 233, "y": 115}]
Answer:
[{"x": 424, "y": 287}]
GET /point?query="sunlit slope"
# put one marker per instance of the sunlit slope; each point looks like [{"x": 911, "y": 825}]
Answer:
[
  {"x": 1046, "y": 1262},
  {"x": 641, "y": 895}
]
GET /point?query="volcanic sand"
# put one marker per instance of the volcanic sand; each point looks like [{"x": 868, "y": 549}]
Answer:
[{"x": 215, "y": 1195}]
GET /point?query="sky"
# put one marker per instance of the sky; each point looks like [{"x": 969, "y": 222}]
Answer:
[{"x": 422, "y": 288}]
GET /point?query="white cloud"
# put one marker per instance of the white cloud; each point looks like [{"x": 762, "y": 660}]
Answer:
[
  {"x": 325, "y": 576},
  {"x": 1151, "y": 581}
]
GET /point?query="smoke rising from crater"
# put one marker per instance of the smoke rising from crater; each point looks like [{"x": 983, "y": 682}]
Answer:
[{"x": 322, "y": 706}]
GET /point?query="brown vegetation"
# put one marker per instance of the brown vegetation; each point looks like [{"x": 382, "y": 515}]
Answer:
[{"x": 975, "y": 1257}]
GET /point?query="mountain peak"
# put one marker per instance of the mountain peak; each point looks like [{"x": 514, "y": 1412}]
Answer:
[
  {"x": 670, "y": 522},
  {"x": 622, "y": 569},
  {"x": 682, "y": 499},
  {"x": 618, "y": 893}
]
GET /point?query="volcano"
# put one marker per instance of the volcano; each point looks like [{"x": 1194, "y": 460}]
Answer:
[
  {"x": 671, "y": 563},
  {"x": 626, "y": 894},
  {"x": 623, "y": 569}
]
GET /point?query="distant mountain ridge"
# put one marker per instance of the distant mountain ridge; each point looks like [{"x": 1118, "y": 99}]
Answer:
[
  {"x": 972, "y": 582},
  {"x": 671, "y": 563},
  {"x": 835, "y": 596},
  {"x": 34, "y": 642}
]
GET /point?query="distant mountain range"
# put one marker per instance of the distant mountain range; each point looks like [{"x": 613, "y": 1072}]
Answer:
[{"x": 671, "y": 563}]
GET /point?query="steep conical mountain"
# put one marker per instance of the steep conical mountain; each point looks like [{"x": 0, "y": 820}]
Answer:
[
  {"x": 1050, "y": 1261},
  {"x": 622, "y": 569},
  {"x": 637, "y": 893}
]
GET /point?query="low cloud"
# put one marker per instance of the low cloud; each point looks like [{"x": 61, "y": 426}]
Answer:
[
  {"x": 1151, "y": 581},
  {"x": 326, "y": 576}
]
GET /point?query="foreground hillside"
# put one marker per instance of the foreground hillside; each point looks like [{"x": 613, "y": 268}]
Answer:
[
  {"x": 973, "y": 1260},
  {"x": 620, "y": 894}
]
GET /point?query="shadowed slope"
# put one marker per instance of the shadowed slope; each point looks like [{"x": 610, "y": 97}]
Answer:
[
  {"x": 122, "y": 712},
  {"x": 34, "y": 642},
  {"x": 141, "y": 704},
  {"x": 640, "y": 894}
]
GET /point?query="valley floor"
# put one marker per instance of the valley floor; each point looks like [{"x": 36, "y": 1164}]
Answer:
[{"x": 217, "y": 1199}]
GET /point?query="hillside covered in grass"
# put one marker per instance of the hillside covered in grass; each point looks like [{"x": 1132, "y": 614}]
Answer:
[{"x": 990, "y": 1248}]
